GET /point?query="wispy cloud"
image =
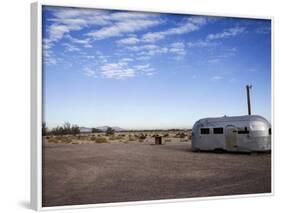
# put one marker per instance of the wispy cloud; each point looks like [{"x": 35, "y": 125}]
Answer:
[
  {"x": 122, "y": 69},
  {"x": 70, "y": 47},
  {"x": 145, "y": 68},
  {"x": 122, "y": 27},
  {"x": 66, "y": 20},
  {"x": 146, "y": 51},
  {"x": 201, "y": 43},
  {"x": 126, "y": 59},
  {"x": 84, "y": 42},
  {"x": 49, "y": 58},
  {"x": 216, "y": 78},
  {"x": 191, "y": 24},
  {"x": 263, "y": 30},
  {"x": 231, "y": 32},
  {"x": 129, "y": 40},
  {"x": 177, "y": 48},
  {"x": 134, "y": 36},
  {"x": 89, "y": 72},
  {"x": 119, "y": 70}
]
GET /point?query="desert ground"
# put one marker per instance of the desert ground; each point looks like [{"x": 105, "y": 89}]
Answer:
[{"x": 95, "y": 168}]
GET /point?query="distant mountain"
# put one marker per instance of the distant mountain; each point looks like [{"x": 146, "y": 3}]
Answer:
[
  {"x": 102, "y": 128},
  {"x": 85, "y": 129}
]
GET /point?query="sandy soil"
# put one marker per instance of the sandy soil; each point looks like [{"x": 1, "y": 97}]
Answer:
[{"x": 117, "y": 172}]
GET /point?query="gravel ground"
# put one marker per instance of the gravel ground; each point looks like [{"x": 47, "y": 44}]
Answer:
[{"x": 103, "y": 173}]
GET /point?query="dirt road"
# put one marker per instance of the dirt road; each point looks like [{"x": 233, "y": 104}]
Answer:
[{"x": 99, "y": 173}]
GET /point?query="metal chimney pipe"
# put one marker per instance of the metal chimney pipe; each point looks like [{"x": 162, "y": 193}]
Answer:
[{"x": 248, "y": 87}]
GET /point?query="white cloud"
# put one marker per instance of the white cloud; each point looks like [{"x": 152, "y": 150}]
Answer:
[
  {"x": 70, "y": 47},
  {"x": 119, "y": 28},
  {"x": 126, "y": 59},
  {"x": 48, "y": 57},
  {"x": 121, "y": 16},
  {"x": 231, "y": 32},
  {"x": 56, "y": 31},
  {"x": 47, "y": 44},
  {"x": 84, "y": 42},
  {"x": 145, "y": 52},
  {"x": 81, "y": 16},
  {"x": 199, "y": 20},
  {"x": 201, "y": 43},
  {"x": 65, "y": 13},
  {"x": 89, "y": 72},
  {"x": 128, "y": 40},
  {"x": 142, "y": 67},
  {"x": 145, "y": 69},
  {"x": 122, "y": 69},
  {"x": 177, "y": 48},
  {"x": 90, "y": 56},
  {"x": 118, "y": 70},
  {"x": 143, "y": 47},
  {"x": 216, "y": 78},
  {"x": 191, "y": 24},
  {"x": 152, "y": 37},
  {"x": 68, "y": 19}
]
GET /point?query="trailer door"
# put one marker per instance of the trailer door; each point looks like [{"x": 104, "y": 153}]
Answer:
[{"x": 231, "y": 137}]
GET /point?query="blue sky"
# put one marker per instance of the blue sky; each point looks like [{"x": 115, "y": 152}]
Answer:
[{"x": 149, "y": 70}]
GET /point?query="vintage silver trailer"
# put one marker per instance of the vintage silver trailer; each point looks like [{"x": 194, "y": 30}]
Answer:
[{"x": 247, "y": 133}]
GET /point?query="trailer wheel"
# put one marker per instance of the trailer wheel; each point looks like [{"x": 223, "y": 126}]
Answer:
[
  {"x": 195, "y": 150},
  {"x": 219, "y": 150}
]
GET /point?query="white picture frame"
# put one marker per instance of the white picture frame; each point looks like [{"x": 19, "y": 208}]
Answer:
[{"x": 36, "y": 107}]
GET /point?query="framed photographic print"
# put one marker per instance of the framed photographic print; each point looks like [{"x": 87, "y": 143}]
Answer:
[{"x": 133, "y": 105}]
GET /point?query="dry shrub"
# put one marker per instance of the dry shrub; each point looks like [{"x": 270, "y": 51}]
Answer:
[
  {"x": 112, "y": 137},
  {"x": 142, "y": 136},
  {"x": 58, "y": 138},
  {"x": 83, "y": 137},
  {"x": 184, "y": 140},
  {"x": 131, "y": 138},
  {"x": 166, "y": 135},
  {"x": 66, "y": 140},
  {"x": 93, "y": 138},
  {"x": 75, "y": 142},
  {"x": 52, "y": 140},
  {"x": 180, "y": 135},
  {"x": 119, "y": 137},
  {"x": 116, "y": 137},
  {"x": 167, "y": 140},
  {"x": 101, "y": 140},
  {"x": 72, "y": 137},
  {"x": 141, "y": 140}
]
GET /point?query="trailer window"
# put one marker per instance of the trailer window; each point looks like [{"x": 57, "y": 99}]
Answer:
[
  {"x": 243, "y": 131},
  {"x": 218, "y": 130},
  {"x": 205, "y": 131},
  {"x": 269, "y": 131}
]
